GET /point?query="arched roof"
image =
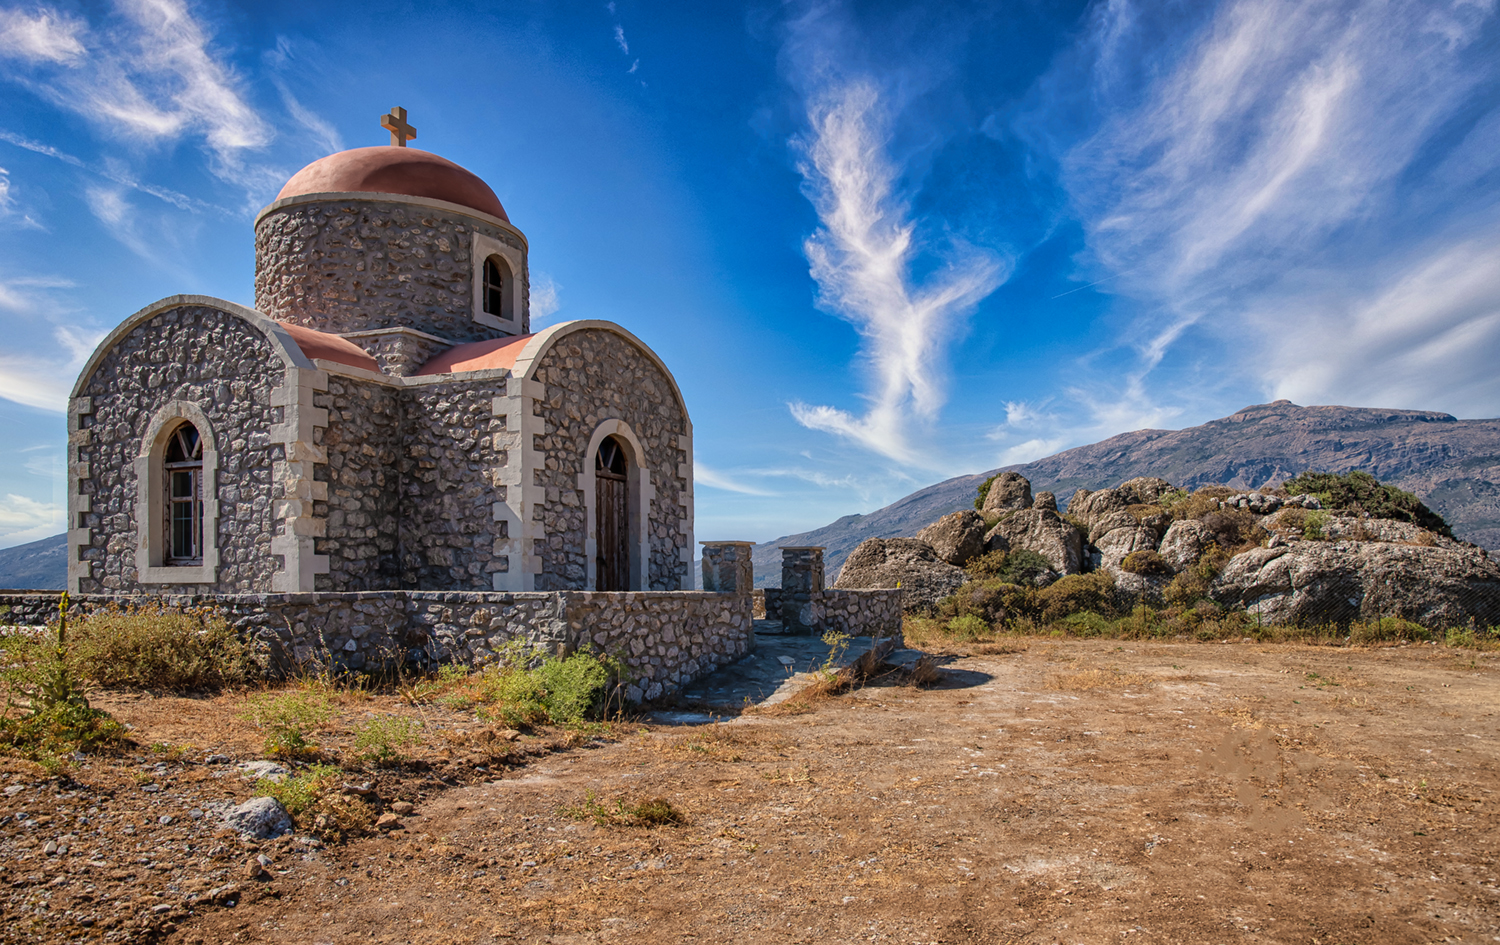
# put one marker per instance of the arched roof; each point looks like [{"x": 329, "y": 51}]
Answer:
[
  {"x": 522, "y": 353},
  {"x": 391, "y": 170},
  {"x": 529, "y": 359},
  {"x": 276, "y": 333}
]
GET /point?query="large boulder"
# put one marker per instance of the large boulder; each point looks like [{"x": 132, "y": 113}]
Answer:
[
  {"x": 1044, "y": 532},
  {"x": 1313, "y": 582},
  {"x": 1119, "y": 542},
  {"x": 1045, "y": 500},
  {"x": 907, "y": 563},
  {"x": 1008, "y": 492},
  {"x": 1108, "y": 522},
  {"x": 956, "y": 538},
  {"x": 1090, "y": 507},
  {"x": 1184, "y": 543},
  {"x": 1143, "y": 490}
]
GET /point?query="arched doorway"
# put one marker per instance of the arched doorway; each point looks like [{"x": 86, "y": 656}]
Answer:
[{"x": 612, "y": 517}]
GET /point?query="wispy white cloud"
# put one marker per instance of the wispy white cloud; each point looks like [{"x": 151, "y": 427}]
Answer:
[
  {"x": 149, "y": 73},
  {"x": 288, "y": 59},
  {"x": 42, "y": 36},
  {"x": 620, "y": 39},
  {"x": 546, "y": 297},
  {"x": 1290, "y": 195},
  {"x": 42, "y": 378},
  {"x": 705, "y": 475},
  {"x": 113, "y": 170},
  {"x": 23, "y": 520},
  {"x": 861, "y": 258}
]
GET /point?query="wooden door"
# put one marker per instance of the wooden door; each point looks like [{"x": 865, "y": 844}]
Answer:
[{"x": 612, "y": 519}]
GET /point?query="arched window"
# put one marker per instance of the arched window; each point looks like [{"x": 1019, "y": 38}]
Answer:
[
  {"x": 611, "y": 518},
  {"x": 183, "y": 466},
  {"x": 497, "y": 279}
]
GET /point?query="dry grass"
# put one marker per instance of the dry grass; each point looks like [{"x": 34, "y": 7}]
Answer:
[
  {"x": 648, "y": 812},
  {"x": 925, "y": 673},
  {"x": 1089, "y": 679}
]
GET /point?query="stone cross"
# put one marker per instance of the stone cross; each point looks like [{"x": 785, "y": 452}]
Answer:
[{"x": 396, "y": 124}]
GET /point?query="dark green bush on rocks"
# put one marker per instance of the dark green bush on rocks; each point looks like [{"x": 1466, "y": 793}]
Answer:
[{"x": 1356, "y": 492}]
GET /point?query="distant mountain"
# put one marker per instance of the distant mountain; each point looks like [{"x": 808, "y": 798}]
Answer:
[
  {"x": 38, "y": 566},
  {"x": 1453, "y": 465}
]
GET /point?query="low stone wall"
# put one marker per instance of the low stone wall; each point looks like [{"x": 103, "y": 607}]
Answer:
[
  {"x": 665, "y": 639},
  {"x": 28, "y": 608},
  {"x": 859, "y": 613}
]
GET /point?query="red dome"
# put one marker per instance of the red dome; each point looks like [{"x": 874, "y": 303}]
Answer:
[{"x": 389, "y": 170}]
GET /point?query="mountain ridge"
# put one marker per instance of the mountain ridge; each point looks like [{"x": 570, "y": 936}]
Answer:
[
  {"x": 1453, "y": 465},
  {"x": 35, "y": 566}
]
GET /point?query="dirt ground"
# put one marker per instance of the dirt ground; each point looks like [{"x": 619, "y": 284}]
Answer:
[{"x": 1044, "y": 792}]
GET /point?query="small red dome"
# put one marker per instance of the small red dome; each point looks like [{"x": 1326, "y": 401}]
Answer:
[{"x": 389, "y": 170}]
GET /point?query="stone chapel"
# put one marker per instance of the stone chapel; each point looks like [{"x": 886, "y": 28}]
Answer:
[{"x": 384, "y": 418}]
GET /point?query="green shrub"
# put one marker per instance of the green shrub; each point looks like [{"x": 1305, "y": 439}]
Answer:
[
  {"x": 160, "y": 648},
  {"x": 1461, "y": 636},
  {"x": 46, "y": 713},
  {"x": 385, "y": 738},
  {"x": 287, "y": 720},
  {"x": 1087, "y": 624},
  {"x": 1074, "y": 593},
  {"x": 968, "y": 627},
  {"x": 299, "y": 792},
  {"x": 1387, "y": 630},
  {"x": 1312, "y": 525},
  {"x": 1146, "y": 563},
  {"x": 987, "y": 565},
  {"x": 526, "y": 688},
  {"x": 1024, "y": 567},
  {"x": 1357, "y": 492}
]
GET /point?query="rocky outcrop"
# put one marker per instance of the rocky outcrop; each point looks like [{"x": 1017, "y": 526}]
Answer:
[
  {"x": 1044, "y": 532},
  {"x": 1008, "y": 492},
  {"x": 956, "y": 538},
  {"x": 1090, "y": 507},
  {"x": 1045, "y": 500},
  {"x": 1313, "y": 582},
  {"x": 1184, "y": 543},
  {"x": 1144, "y": 490},
  {"x": 1119, "y": 542},
  {"x": 907, "y": 563}
]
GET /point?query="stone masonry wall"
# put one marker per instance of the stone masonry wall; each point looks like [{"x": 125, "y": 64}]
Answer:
[
  {"x": 665, "y": 640},
  {"x": 592, "y": 376},
  {"x": 363, "y": 440},
  {"x": 356, "y": 265},
  {"x": 859, "y": 613},
  {"x": 228, "y": 369},
  {"x": 448, "y": 487}
]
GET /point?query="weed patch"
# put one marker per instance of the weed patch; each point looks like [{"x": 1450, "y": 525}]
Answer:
[
  {"x": 288, "y": 719},
  {"x": 385, "y": 739},
  {"x": 46, "y": 714},
  {"x": 650, "y": 812}
]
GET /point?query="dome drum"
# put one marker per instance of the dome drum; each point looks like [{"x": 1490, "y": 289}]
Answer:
[{"x": 435, "y": 253}]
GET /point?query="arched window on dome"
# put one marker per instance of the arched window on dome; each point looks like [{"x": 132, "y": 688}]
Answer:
[{"x": 497, "y": 288}]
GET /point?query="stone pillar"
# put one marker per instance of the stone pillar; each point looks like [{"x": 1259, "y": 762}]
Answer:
[
  {"x": 727, "y": 568},
  {"x": 801, "y": 582}
]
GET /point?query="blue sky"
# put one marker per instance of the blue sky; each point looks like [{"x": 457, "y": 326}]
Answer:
[{"x": 879, "y": 243}]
